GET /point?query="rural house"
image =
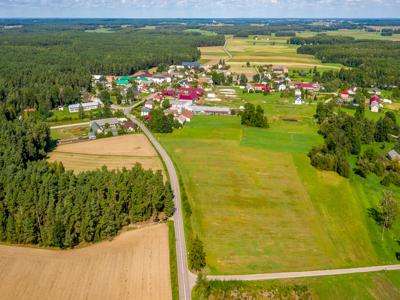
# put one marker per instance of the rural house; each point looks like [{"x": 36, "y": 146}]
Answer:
[
  {"x": 280, "y": 70},
  {"x": 104, "y": 126}
]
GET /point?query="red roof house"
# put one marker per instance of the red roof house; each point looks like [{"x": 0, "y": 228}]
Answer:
[
  {"x": 188, "y": 115},
  {"x": 191, "y": 97},
  {"x": 168, "y": 93},
  {"x": 262, "y": 87},
  {"x": 375, "y": 99}
]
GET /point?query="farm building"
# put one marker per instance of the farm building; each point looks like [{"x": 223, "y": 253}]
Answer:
[
  {"x": 95, "y": 104},
  {"x": 209, "y": 110}
]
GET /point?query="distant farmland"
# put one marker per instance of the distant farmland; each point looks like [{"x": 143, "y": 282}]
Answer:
[
  {"x": 261, "y": 51},
  {"x": 133, "y": 266},
  {"x": 114, "y": 153}
]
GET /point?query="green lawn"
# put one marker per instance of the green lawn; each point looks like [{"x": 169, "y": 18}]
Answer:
[
  {"x": 381, "y": 285},
  {"x": 69, "y": 132},
  {"x": 259, "y": 206}
]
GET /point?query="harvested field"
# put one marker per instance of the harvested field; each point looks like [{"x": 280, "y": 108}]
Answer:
[
  {"x": 135, "y": 265},
  {"x": 115, "y": 153}
]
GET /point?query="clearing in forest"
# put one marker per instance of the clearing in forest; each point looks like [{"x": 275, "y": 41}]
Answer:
[
  {"x": 135, "y": 265},
  {"x": 114, "y": 153}
]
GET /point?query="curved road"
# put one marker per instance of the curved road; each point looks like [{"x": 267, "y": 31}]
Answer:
[{"x": 186, "y": 279}]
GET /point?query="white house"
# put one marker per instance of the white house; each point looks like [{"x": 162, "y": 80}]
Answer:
[
  {"x": 149, "y": 104},
  {"x": 375, "y": 106},
  {"x": 145, "y": 111},
  {"x": 298, "y": 101},
  {"x": 281, "y": 87},
  {"x": 297, "y": 93}
]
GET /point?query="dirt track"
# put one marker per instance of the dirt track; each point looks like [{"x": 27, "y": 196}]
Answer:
[{"x": 135, "y": 265}]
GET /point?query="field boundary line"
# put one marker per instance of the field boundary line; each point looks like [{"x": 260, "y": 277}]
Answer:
[
  {"x": 107, "y": 155},
  {"x": 301, "y": 274}
]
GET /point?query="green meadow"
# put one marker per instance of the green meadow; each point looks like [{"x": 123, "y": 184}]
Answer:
[
  {"x": 258, "y": 204},
  {"x": 381, "y": 285}
]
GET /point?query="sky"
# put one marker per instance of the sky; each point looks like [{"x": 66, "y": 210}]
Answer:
[{"x": 201, "y": 8}]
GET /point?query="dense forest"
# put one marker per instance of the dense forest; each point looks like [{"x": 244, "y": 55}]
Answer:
[
  {"x": 371, "y": 62},
  {"x": 46, "y": 69},
  {"x": 41, "y": 203}
]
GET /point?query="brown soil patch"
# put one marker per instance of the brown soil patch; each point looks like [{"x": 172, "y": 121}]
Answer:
[
  {"x": 135, "y": 265},
  {"x": 114, "y": 153},
  {"x": 133, "y": 144}
]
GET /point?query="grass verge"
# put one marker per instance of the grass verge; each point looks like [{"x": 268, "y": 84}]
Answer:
[{"x": 172, "y": 261}]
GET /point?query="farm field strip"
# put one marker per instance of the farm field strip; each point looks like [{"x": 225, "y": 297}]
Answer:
[
  {"x": 114, "y": 153},
  {"x": 134, "y": 265}
]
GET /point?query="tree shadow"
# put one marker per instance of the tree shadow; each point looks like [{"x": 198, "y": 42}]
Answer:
[{"x": 375, "y": 214}]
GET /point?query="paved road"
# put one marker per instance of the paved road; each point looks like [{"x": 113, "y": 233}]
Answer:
[
  {"x": 119, "y": 107},
  {"x": 186, "y": 279},
  {"x": 70, "y": 125}
]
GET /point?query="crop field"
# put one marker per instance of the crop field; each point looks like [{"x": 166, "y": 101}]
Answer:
[
  {"x": 380, "y": 286},
  {"x": 258, "y": 204},
  {"x": 357, "y": 34},
  {"x": 114, "y": 153},
  {"x": 134, "y": 265},
  {"x": 261, "y": 51}
]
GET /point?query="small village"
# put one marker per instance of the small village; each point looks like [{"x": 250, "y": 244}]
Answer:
[{"x": 190, "y": 89}]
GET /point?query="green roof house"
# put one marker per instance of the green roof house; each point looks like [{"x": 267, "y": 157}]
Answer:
[{"x": 123, "y": 80}]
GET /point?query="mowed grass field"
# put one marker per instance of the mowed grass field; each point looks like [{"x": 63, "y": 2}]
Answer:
[
  {"x": 135, "y": 265},
  {"x": 258, "y": 204},
  {"x": 380, "y": 286},
  {"x": 261, "y": 51},
  {"x": 114, "y": 153}
]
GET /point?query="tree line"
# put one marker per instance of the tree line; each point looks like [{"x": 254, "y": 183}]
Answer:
[
  {"x": 46, "y": 69},
  {"x": 42, "y": 203},
  {"x": 372, "y": 62}
]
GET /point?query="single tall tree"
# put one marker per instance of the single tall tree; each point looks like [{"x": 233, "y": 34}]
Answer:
[{"x": 388, "y": 210}]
